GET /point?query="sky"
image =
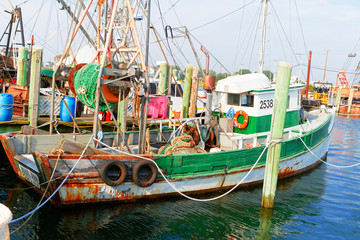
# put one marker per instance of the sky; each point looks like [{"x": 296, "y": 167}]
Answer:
[{"x": 229, "y": 29}]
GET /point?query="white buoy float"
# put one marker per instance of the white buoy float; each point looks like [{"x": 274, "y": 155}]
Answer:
[{"x": 5, "y": 218}]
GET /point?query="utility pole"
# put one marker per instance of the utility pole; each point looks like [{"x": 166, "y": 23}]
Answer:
[{"x": 327, "y": 54}]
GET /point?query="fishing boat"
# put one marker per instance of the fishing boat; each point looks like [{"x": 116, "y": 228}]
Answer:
[{"x": 199, "y": 155}]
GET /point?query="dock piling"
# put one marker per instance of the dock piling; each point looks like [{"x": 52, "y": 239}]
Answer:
[
  {"x": 350, "y": 100},
  {"x": 194, "y": 92},
  {"x": 22, "y": 66},
  {"x": 163, "y": 77},
  {"x": 34, "y": 90},
  {"x": 338, "y": 99},
  {"x": 276, "y": 134},
  {"x": 187, "y": 91}
]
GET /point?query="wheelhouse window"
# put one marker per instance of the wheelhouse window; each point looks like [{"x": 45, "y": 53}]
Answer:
[
  {"x": 233, "y": 99},
  {"x": 175, "y": 90},
  {"x": 288, "y": 102},
  {"x": 247, "y": 100},
  {"x": 244, "y": 100}
]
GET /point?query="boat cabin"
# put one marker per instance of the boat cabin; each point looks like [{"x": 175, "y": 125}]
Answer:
[{"x": 251, "y": 97}]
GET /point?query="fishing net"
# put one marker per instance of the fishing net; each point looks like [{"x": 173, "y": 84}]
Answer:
[
  {"x": 181, "y": 144},
  {"x": 85, "y": 86}
]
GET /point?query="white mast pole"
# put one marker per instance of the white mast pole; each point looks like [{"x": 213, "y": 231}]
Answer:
[{"x": 261, "y": 62}]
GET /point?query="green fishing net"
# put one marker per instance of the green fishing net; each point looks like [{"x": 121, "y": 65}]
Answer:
[{"x": 85, "y": 86}]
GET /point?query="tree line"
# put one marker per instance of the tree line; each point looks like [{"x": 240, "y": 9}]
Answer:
[{"x": 219, "y": 76}]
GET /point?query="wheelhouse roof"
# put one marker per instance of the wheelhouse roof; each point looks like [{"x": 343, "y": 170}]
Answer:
[{"x": 243, "y": 83}]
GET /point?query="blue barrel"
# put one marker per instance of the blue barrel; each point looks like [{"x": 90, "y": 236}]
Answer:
[
  {"x": 64, "y": 113},
  {"x": 6, "y": 106}
]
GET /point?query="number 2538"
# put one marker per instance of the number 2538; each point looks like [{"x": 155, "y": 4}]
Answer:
[{"x": 266, "y": 104}]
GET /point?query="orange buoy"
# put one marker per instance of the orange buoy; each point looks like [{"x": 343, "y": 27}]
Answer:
[{"x": 236, "y": 121}]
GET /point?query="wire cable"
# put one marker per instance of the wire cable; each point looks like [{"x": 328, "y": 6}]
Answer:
[{"x": 219, "y": 18}]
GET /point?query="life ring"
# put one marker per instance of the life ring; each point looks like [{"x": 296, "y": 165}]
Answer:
[
  {"x": 144, "y": 173},
  {"x": 113, "y": 172},
  {"x": 236, "y": 121}
]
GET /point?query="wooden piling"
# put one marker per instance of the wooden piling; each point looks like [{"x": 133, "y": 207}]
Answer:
[
  {"x": 22, "y": 66},
  {"x": 194, "y": 92},
  {"x": 5, "y": 218},
  {"x": 276, "y": 133},
  {"x": 187, "y": 91},
  {"x": 34, "y": 89},
  {"x": 338, "y": 99},
  {"x": 163, "y": 77},
  {"x": 350, "y": 100}
]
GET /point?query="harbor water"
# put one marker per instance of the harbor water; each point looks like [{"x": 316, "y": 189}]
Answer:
[{"x": 323, "y": 203}]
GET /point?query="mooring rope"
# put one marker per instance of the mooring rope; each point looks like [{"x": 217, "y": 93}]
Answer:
[
  {"x": 177, "y": 190},
  {"x": 332, "y": 165},
  {"x": 59, "y": 151},
  {"x": 67, "y": 176}
]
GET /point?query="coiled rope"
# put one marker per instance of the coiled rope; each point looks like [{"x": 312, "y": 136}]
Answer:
[{"x": 177, "y": 190}]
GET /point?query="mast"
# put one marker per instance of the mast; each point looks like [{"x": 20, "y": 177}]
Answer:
[
  {"x": 143, "y": 115},
  {"x": 263, "y": 32}
]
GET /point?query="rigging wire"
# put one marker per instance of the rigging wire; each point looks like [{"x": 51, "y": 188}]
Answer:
[
  {"x": 251, "y": 30},
  {"x": 227, "y": 14},
  {"x": 168, "y": 10},
  {"x": 48, "y": 27},
  {"x": 37, "y": 17},
  {"x": 301, "y": 28},
  {"x": 238, "y": 41},
  {"x": 287, "y": 39},
  {"x": 209, "y": 52},
  {"x": 252, "y": 50},
  {"x": 278, "y": 33},
  {"x": 163, "y": 24},
  {"x": 177, "y": 17}
]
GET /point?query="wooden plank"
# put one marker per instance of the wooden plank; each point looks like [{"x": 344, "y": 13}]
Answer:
[
  {"x": 28, "y": 130},
  {"x": 72, "y": 147}
]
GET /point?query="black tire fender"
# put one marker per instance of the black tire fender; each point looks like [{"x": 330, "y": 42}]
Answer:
[
  {"x": 113, "y": 165},
  {"x": 149, "y": 178}
]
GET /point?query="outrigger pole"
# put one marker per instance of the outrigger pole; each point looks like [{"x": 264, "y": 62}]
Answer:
[
  {"x": 60, "y": 62},
  {"x": 124, "y": 47}
]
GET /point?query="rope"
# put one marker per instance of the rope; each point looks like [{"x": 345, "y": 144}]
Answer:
[
  {"x": 332, "y": 165},
  {"x": 59, "y": 151},
  {"x": 178, "y": 191},
  {"x": 67, "y": 176},
  {"x": 227, "y": 14}
]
